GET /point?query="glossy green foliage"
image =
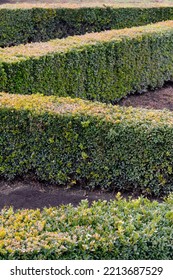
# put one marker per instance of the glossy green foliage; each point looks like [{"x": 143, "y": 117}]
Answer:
[
  {"x": 37, "y": 24},
  {"x": 118, "y": 229},
  {"x": 105, "y": 71},
  {"x": 79, "y": 142}
]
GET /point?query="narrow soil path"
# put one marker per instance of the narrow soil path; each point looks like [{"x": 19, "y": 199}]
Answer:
[
  {"x": 158, "y": 99},
  {"x": 31, "y": 194}
]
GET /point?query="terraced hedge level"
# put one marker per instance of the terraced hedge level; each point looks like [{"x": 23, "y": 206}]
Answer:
[
  {"x": 72, "y": 141},
  {"x": 98, "y": 66},
  {"x": 119, "y": 229},
  {"x": 25, "y": 25}
]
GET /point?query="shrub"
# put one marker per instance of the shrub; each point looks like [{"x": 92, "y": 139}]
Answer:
[
  {"x": 23, "y": 25},
  {"x": 118, "y": 229},
  {"x": 72, "y": 141},
  {"x": 103, "y": 66}
]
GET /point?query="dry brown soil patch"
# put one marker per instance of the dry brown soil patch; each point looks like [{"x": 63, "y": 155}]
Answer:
[{"x": 158, "y": 99}]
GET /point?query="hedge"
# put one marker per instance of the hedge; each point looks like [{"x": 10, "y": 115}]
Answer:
[
  {"x": 102, "y": 66},
  {"x": 23, "y": 25},
  {"x": 72, "y": 142},
  {"x": 118, "y": 229}
]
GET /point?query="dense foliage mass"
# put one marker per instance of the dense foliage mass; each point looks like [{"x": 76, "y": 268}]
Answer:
[
  {"x": 99, "y": 66},
  {"x": 119, "y": 229},
  {"x": 76, "y": 142},
  {"x": 71, "y": 141},
  {"x": 40, "y": 24}
]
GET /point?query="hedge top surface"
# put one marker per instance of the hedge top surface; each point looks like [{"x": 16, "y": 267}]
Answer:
[
  {"x": 68, "y": 106},
  {"x": 77, "y": 5},
  {"x": 23, "y": 52},
  {"x": 86, "y": 228}
]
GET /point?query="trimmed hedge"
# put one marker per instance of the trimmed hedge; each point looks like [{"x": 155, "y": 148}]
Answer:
[
  {"x": 72, "y": 141},
  {"x": 99, "y": 66},
  {"x": 119, "y": 229},
  {"x": 38, "y": 24}
]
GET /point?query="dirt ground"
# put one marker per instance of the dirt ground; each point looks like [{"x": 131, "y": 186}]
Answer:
[
  {"x": 158, "y": 99},
  {"x": 84, "y": 1},
  {"x": 33, "y": 194}
]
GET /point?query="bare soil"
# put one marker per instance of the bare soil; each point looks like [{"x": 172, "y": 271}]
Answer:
[
  {"x": 83, "y": 1},
  {"x": 5, "y": 2},
  {"x": 31, "y": 194},
  {"x": 158, "y": 99}
]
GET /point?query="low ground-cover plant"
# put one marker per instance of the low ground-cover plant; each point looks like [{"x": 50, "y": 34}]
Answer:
[
  {"x": 22, "y": 25},
  {"x": 100, "y": 66},
  {"x": 71, "y": 141},
  {"x": 118, "y": 229}
]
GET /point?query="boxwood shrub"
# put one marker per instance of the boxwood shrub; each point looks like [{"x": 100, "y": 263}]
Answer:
[
  {"x": 98, "y": 66},
  {"x": 23, "y": 25},
  {"x": 118, "y": 229},
  {"x": 72, "y": 141}
]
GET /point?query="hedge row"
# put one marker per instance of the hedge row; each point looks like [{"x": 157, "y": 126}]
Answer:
[
  {"x": 38, "y": 24},
  {"x": 72, "y": 141},
  {"x": 119, "y": 229},
  {"x": 98, "y": 66}
]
